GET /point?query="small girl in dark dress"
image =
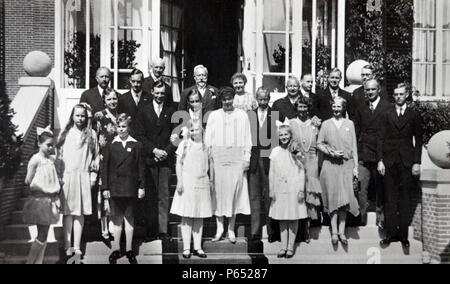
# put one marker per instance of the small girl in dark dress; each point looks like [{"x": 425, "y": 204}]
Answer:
[{"x": 123, "y": 182}]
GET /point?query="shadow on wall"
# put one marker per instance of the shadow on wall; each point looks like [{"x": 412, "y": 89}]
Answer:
[{"x": 445, "y": 255}]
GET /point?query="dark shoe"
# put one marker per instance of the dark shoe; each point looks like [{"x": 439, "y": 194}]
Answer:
[
  {"x": 164, "y": 237},
  {"x": 200, "y": 253},
  {"x": 343, "y": 240},
  {"x": 131, "y": 257},
  {"x": 150, "y": 238},
  {"x": 255, "y": 238},
  {"x": 405, "y": 243},
  {"x": 186, "y": 254},
  {"x": 387, "y": 241},
  {"x": 115, "y": 255},
  {"x": 273, "y": 238},
  {"x": 289, "y": 253},
  {"x": 282, "y": 253},
  {"x": 307, "y": 237}
]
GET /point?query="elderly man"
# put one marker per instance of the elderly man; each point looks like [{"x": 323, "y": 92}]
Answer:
[
  {"x": 325, "y": 98},
  {"x": 157, "y": 68},
  {"x": 359, "y": 97},
  {"x": 367, "y": 125},
  {"x": 208, "y": 93},
  {"x": 94, "y": 96},
  {"x": 306, "y": 84},
  {"x": 285, "y": 106}
]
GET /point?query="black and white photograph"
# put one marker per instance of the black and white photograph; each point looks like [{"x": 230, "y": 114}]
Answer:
[{"x": 224, "y": 132}]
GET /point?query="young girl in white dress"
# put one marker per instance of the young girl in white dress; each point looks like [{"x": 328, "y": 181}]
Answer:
[
  {"x": 192, "y": 200},
  {"x": 78, "y": 151},
  {"x": 42, "y": 207},
  {"x": 287, "y": 190}
]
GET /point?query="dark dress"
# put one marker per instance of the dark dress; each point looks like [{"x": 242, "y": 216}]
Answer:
[{"x": 105, "y": 126}]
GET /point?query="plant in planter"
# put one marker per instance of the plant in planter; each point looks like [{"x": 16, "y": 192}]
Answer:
[{"x": 10, "y": 151}]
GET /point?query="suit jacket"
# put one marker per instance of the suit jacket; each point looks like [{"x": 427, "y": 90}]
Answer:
[
  {"x": 285, "y": 108},
  {"x": 128, "y": 106},
  {"x": 359, "y": 98},
  {"x": 395, "y": 143},
  {"x": 124, "y": 169},
  {"x": 323, "y": 103},
  {"x": 367, "y": 127},
  {"x": 147, "y": 86},
  {"x": 210, "y": 99},
  {"x": 93, "y": 98},
  {"x": 154, "y": 132},
  {"x": 265, "y": 132}
]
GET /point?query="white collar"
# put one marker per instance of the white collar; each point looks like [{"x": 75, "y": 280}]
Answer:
[
  {"x": 117, "y": 139},
  {"x": 138, "y": 95},
  {"x": 100, "y": 90},
  {"x": 305, "y": 93},
  {"x": 154, "y": 77},
  {"x": 332, "y": 91},
  {"x": 156, "y": 105},
  {"x": 402, "y": 108},
  {"x": 195, "y": 113},
  {"x": 375, "y": 103}
]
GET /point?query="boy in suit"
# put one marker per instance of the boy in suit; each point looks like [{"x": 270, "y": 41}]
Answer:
[
  {"x": 154, "y": 129},
  {"x": 259, "y": 167},
  {"x": 123, "y": 183},
  {"x": 399, "y": 160},
  {"x": 367, "y": 126}
]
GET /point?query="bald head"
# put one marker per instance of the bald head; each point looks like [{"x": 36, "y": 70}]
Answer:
[
  {"x": 372, "y": 89},
  {"x": 158, "y": 66},
  {"x": 103, "y": 76}
]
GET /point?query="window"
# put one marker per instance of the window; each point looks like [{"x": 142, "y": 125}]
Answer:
[
  {"x": 431, "y": 48},
  {"x": 117, "y": 33},
  {"x": 81, "y": 32},
  {"x": 172, "y": 44}
]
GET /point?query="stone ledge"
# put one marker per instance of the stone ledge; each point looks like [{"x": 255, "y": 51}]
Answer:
[
  {"x": 35, "y": 82},
  {"x": 436, "y": 176}
]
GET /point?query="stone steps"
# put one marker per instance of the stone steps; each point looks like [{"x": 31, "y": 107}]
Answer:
[
  {"x": 22, "y": 247},
  {"x": 29, "y": 232}
]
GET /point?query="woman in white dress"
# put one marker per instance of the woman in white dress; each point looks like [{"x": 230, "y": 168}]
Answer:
[{"x": 228, "y": 136}]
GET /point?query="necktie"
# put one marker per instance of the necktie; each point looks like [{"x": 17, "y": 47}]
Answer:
[
  {"x": 371, "y": 107},
  {"x": 261, "y": 118},
  {"x": 158, "y": 110},
  {"x": 136, "y": 99}
]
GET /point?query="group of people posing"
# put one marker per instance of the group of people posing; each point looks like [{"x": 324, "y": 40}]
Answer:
[{"x": 232, "y": 154}]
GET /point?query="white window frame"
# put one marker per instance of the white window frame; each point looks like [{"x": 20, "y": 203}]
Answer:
[
  {"x": 439, "y": 56},
  {"x": 150, "y": 31}
]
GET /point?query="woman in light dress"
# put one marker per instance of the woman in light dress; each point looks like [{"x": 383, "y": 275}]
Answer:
[
  {"x": 243, "y": 100},
  {"x": 305, "y": 132},
  {"x": 228, "y": 136},
  {"x": 337, "y": 141}
]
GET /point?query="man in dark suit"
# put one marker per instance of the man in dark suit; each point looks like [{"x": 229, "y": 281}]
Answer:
[
  {"x": 286, "y": 105},
  {"x": 136, "y": 98},
  {"x": 359, "y": 96},
  {"x": 306, "y": 85},
  {"x": 157, "y": 68},
  {"x": 153, "y": 128},
  {"x": 94, "y": 96},
  {"x": 325, "y": 97},
  {"x": 261, "y": 122},
  {"x": 208, "y": 93},
  {"x": 367, "y": 126},
  {"x": 399, "y": 154}
]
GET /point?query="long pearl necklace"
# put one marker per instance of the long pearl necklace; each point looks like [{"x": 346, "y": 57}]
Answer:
[{"x": 306, "y": 126}]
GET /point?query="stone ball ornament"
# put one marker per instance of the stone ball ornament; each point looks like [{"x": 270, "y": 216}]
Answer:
[
  {"x": 354, "y": 72},
  {"x": 439, "y": 149},
  {"x": 37, "y": 64}
]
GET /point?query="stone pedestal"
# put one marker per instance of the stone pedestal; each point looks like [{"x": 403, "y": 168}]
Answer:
[{"x": 436, "y": 215}]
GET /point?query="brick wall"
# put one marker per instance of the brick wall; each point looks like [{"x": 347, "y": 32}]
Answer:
[
  {"x": 14, "y": 187},
  {"x": 29, "y": 25}
]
